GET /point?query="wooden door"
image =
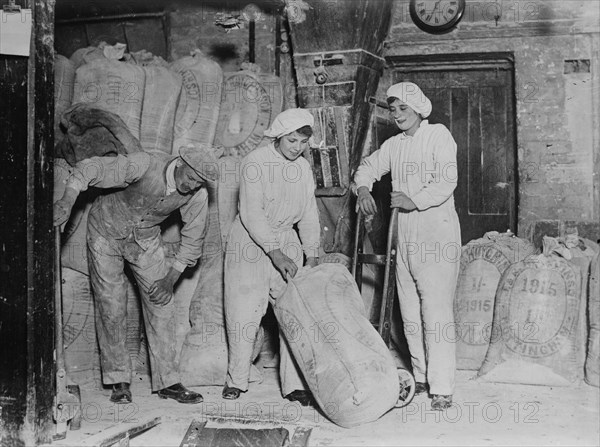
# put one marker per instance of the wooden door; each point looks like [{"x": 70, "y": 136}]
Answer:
[{"x": 475, "y": 100}]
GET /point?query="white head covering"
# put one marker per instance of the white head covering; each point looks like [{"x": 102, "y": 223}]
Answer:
[
  {"x": 288, "y": 121},
  {"x": 411, "y": 95}
]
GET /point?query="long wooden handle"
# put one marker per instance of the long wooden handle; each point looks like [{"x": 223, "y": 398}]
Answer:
[
  {"x": 388, "y": 278},
  {"x": 58, "y": 321}
]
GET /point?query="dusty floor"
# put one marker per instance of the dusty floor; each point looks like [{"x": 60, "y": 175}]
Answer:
[{"x": 483, "y": 414}]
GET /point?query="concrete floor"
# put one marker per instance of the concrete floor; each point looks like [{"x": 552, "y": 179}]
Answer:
[{"x": 483, "y": 414}]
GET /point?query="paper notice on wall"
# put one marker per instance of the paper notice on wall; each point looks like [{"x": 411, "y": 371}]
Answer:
[{"x": 15, "y": 32}]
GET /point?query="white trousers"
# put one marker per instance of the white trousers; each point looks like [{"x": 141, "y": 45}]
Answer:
[
  {"x": 251, "y": 281},
  {"x": 428, "y": 262}
]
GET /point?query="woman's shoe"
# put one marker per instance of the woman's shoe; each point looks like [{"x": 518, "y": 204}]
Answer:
[
  {"x": 441, "y": 401},
  {"x": 231, "y": 393},
  {"x": 303, "y": 397},
  {"x": 420, "y": 388}
]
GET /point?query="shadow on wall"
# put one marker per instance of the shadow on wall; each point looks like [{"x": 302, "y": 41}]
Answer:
[{"x": 226, "y": 55}]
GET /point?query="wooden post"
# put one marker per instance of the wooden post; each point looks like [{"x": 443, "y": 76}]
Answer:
[
  {"x": 26, "y": 247},
  {"x": 251, "y": 41}
]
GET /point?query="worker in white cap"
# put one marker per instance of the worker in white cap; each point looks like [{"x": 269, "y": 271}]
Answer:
[
  {"x": 277, "y": 192},
  {"x": 124, "y": 227},
  {"x": 422, "y": 163}
]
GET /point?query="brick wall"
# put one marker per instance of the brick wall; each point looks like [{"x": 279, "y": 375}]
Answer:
[{"x": 557, "y": 93}]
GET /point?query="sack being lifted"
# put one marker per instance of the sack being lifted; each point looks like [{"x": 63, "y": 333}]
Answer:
[
  {"x": 539, "y": 320},
  {"x": 482, "y": 263},
  {"x": 347, "y": 366}
]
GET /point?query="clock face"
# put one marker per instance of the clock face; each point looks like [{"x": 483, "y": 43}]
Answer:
[{"x": 436, "y": 16}]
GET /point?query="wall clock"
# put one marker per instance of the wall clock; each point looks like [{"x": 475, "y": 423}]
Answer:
[{"x": 436, "y": 16}]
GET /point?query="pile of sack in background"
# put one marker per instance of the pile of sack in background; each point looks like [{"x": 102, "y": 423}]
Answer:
[
  {"x": 529, "y": 318},
  {"x": 153, "y": 105}
]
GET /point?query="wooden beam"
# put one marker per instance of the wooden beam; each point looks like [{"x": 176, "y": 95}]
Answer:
[
  {"x": 114, "y": 17},
  {"x": 40, "y": 235},
  {"x": 122, "y": 432}
]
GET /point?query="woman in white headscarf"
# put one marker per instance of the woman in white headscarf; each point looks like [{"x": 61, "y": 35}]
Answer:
[
  {"x": 277, "y": 192},
  {"x": 422, "y": 162}
]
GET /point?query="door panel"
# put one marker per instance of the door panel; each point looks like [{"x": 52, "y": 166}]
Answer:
[{"x": 476, "y": 104}]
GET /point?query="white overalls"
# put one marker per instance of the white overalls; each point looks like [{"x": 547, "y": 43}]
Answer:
[
  {"x": 424, "y": 168},
  {"x": 275, "y": 194}
]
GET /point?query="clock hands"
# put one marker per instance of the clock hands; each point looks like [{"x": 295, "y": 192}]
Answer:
[{"x": 428, "y": 18}]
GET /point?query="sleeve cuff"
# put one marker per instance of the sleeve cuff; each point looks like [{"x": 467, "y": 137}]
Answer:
[
  {"x": 179, "y": 266},
  {"x": 75, "y": 184},
  {"x": 354, "y": 187},
  {"x": 312, "y": 252},
  {"x": 269, "y": 246}
]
